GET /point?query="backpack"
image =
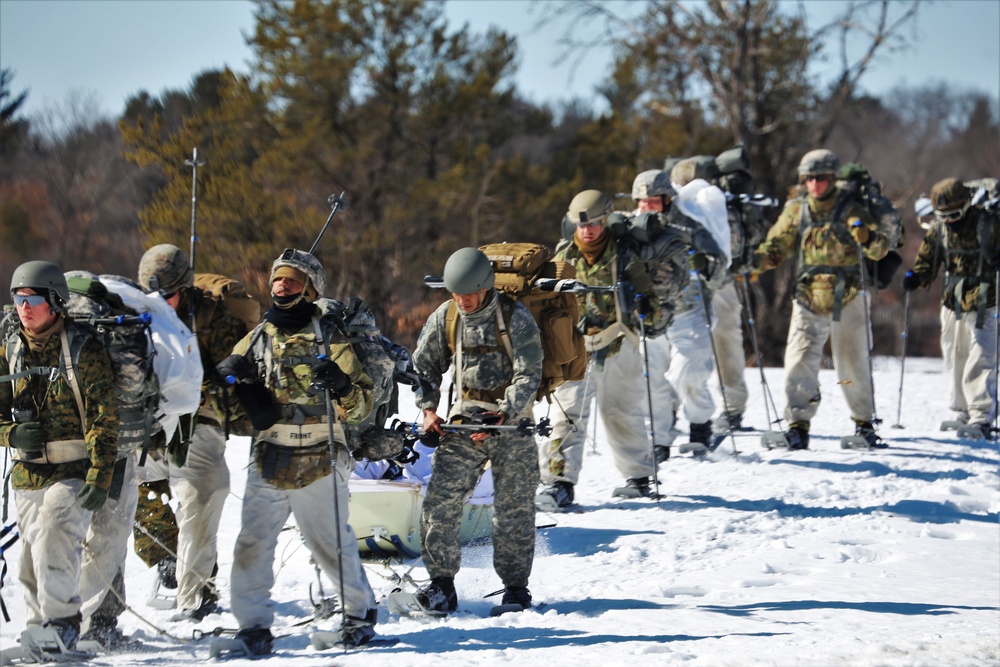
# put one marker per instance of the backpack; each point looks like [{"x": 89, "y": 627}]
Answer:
[
  {"x": 985, "y": 193},
  {"x": 230, "y": 292},
  {"x": 516, "y": 266}
]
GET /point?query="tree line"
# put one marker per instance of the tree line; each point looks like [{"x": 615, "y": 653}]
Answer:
[{"x": 422, "y": 128}]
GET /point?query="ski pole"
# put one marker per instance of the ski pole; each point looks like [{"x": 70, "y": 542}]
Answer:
[
  {"x": 996, "y": 353},
  {"x": 902, "y": 362},
  {"x": 715, "y": 357},
  {"x": 194, "y": 163},
  {"x": 337, "y": 202},
  {"x": 643, "y": 348},
  {"x": 752, "y": 326},
  {"x": 331, "y": 417},
  {"x": 868, "y": 326}
]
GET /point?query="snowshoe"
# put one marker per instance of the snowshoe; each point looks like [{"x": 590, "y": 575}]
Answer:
[
  {"x": 795, "y": 438},
  {"x": 105, "y": 637},
  {"x": 952, "y": 424},
  {"x": 247, "y": 643},
  {"x": 864, "y": 437},
  {"x": 973, "y": 431},
  {"x": 515, "y": 598},
  {"x": 46, "y": 644},
  {"x": 636, "y": 487},
  {"x": 438, "y": 598},
  {"x": 353, "y": 633},
  {"x": 555, "y": 497},
  {"x": 160, "y": 600},
  {"x": 209, "y": 605}
]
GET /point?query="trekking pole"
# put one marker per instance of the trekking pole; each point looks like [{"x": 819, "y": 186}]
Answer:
[
  {"x": 715, "y": 357},
  {"x": 644, "y": 349},
  {"x": 868, "y": 326},
  {"x": 194, "y": 163},
  {"x": 902, "y": 362},
  {"x": 996, "y": 353},
  {"x": 751, "y": 325},
  {"x": 337, "y": 202},
  {"x": 330, "y": 419}
]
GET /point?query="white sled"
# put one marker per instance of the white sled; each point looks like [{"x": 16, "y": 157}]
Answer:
[
  {"x": 385, "y": 517},
  {"x": 39, "y": 645}
]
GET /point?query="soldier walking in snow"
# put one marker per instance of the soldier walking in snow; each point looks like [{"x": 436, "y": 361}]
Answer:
[
  {"x": 964, "y": 241},
  {"x": 496, "y": 381}
]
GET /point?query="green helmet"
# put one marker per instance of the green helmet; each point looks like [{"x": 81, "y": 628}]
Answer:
[
  {"x": 302, "y": 261},
  {"x": 468, "y": 270},
  {"x": 950, "y": 198},
  {"x": 819, "y": 161},
  {"x": 165, "y": 268},
  {"x": 652, "y": 183},
  {"x": 45, "y": 278},
  {"x": 588, "y": 207},
  {"x": 699, "y": 166}
]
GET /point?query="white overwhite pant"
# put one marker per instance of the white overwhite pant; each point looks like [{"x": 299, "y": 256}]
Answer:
[
  {"x": 692, "y": 368},
  {"x": 201, "y": 486},
  {"x": 728, "y": 332},
  {"x": 106, "y": 545},
  {"x": 265, "y": 510},
  {"x": 970, "y": 363},
  {"x": 621, "y": 401},
  {"x": 52, "y": 525},
  {"x": 807, "y": 334},
  {"x": 665, "y": 400}
]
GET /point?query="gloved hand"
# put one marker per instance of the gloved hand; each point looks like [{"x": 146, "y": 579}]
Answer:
[
  {"x": 177, "y": 448},
  {"x": 28, "y": 437},
  {"x": 860, "y": 233},
  {"x": 236, "y": 366},
  {"x": 406, "y": 455},
  {"x": 910, "y": 281},
  {"x": 644, "y": 306},
  {"x": 328, "y": 376},
  {"x": 92, "y": 498},
  {"x": 258, "y": 404}
]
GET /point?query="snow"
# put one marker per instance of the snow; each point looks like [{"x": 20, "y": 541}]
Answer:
[{"x": 821, "y": 557}]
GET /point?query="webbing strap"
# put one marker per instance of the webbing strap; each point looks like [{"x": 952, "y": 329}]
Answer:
[{"x": 67, "y": 365}]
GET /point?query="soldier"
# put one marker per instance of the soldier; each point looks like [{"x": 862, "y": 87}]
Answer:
[
  {"x": 499, "y": 377},
  {"x": 610, "y": 333},
  {"x": 823, "y": 230},
  {"x": 64, "y": 440},
  {"x": 291, "y": 470},
  {"x": 964, "y": 240},
  {"x": 197, "y": 467}
]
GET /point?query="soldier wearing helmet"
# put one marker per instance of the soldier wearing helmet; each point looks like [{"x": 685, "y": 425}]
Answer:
[
  {"x": 824, "y": 228},
  {"x": 194, "y": 465},
  {"x": 610, "y": 324},
  {"x": 964, "y": 243},
  {"x": 497, "y": 370},
  {"x": 286, "y": 369},
  {"x": 61, "y": 427}
]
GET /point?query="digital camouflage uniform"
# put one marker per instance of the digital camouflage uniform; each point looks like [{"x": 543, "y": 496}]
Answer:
[
  {"x": 965, "y": 250},
  {"x": 291, "y": 474},
  {"x": 490, "y": 378},
  {"x": 614, "y": 377},
  {"x": 826, "y": 301},
  {"x": 51, "y": 521}
]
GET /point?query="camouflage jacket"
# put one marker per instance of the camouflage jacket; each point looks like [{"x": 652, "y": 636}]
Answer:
[
  {"x": 218, "y": 331},
  {"x": 597, "y": 310},
  {"x": 287, "y": 374},
  {"x": 748, "y": 228},
  {"x": 56, "y": 408},
  {"x": 964, "y": 249},
  {"x": 826, "y": 252},
  {"x": 487, "y": 368}
]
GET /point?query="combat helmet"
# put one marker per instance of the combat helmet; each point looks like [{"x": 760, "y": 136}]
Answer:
[
  {"x": 588, "y": 207},
  {"x": 467, "y": 271},
  {"x": 950, "y": 198},
  {"x": 689, "y": 169},
  {"x": 652, "y": 183},
  {"x": 304, "y": 262},
  {"x": 45, "y": 278},
  {"x": 819, "y": 161},
  {"x": 165, "y": 269}
]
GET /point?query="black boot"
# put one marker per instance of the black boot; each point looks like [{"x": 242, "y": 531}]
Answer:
[
  {"x": 259, "y": 640},
  {"x": 798, "y": 435},
  {"x": 517, "y": 595},
  {"x": 439, "y": 596}
]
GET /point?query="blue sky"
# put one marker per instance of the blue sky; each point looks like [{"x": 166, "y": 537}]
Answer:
[{"x": 115, "y": 48}]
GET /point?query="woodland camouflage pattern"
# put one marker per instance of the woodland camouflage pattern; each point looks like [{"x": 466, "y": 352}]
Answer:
[
  {"x": 56, "y": 407},
  {"x": 827, "y": 242},
  {"x": 964, "y": 249},
  {"x": 487, "y": 369},
  {"x": 159, "y": 539},
  {"x": 289, "y": 383}
]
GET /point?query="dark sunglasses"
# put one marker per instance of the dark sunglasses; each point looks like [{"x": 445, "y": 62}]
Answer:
[
  {"x": 819, "y": 178},
  {"x": 33, "y": 300}
]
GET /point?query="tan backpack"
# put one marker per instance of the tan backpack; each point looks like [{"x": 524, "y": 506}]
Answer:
[{"x": 230, "y": 292}]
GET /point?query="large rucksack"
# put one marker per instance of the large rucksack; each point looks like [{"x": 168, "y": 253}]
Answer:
[
  {"x": 865, "y": 190},
  {"x": 229, "y": 292},
  {"x": 516, "y": 267}
]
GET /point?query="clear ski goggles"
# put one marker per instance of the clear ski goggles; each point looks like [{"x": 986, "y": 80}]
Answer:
[{"x": 953, "y": 215}]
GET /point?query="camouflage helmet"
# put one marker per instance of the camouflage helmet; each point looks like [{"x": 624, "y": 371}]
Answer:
[
  {"x": 819, "y": 161},
  {"x": 45, "y": 278},
  {"x": 468, "y": 270},
  {"x": 652, "y": 183},
  {"x": 302, "y": 261},
  {"x": 588, "y": 207},
  {"x": 165, "y": 268},
  {"x": 689, "y": 169},
  {"x": 950, "y": 198}
]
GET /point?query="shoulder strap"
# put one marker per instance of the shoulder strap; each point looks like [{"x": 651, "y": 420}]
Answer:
[
  {"x": 451, "y": 326},
  {"x": 68, "y": 365}
]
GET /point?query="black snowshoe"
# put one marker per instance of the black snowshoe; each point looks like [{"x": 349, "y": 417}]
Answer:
[{"x": 515, "y": 598}]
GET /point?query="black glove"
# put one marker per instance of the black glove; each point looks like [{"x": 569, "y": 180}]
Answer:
[
  {"x": 258, "y": 403},
  {"x": 234, "y": 366},
  {"x": 910, "y": 281},
  {"x": 406, "y": 455},
  {"x": 644, "y": 305},
  {"x": 703, "y": 264},
  {"x": 28, "y": 437},
  {"x": 328, "y": 376},
  {"x": 92, "y": 498}
]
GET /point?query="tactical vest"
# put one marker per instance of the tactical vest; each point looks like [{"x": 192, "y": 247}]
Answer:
[{"x": 843, "y": 273}]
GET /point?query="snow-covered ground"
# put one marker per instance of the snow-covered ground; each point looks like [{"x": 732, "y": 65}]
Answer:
[{"x": 820, "y": 557}]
